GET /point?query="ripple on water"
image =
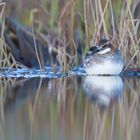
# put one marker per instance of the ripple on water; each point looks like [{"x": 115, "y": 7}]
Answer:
[{"x": 49, "y": 72}]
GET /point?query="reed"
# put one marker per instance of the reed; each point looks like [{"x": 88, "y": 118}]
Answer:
[{"x": 79, "y": 24}]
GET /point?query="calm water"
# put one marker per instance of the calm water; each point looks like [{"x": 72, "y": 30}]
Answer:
[{"x": 74, "y": 108}]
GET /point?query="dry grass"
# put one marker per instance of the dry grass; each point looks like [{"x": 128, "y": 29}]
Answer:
[
  {"x": 6, "y": 59},
  {"x": 79, "y": 24}
]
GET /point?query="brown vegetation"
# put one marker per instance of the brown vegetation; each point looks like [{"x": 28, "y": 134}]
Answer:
[{"x": 55, "y": 31}]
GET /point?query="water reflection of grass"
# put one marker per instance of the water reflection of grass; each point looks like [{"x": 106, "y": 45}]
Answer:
[
  {"x": 74, "y": 23},
  {"x": 58, "y": 109}
]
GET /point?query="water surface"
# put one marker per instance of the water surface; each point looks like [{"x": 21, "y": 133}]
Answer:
[{"x": 66, "y": 108}]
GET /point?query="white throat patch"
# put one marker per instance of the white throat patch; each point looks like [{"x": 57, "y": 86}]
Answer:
[{"x": 104, "y": 51}]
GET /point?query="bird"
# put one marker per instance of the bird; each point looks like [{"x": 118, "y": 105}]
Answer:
[{"x": 103, "y": 59}]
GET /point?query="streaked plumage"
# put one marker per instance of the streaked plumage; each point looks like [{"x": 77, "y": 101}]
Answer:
[{"x": 103, "y": 59}]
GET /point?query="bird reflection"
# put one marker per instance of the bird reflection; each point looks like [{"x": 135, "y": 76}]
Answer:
[{"x": 103, "y": 90}]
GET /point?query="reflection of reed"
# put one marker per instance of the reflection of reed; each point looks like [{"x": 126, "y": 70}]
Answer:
[
  {"x": 62, "y": 112},
  {"x": 121, "y": 120},
  {"x": 34, "y": 108}
]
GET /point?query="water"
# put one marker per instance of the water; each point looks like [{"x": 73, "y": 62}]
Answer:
[
  {"x": 71, "y": 107},
  {"x": 47, "y": 72}
]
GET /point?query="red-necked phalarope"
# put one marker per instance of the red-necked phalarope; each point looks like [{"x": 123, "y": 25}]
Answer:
[{"x": 103, "y": 59}]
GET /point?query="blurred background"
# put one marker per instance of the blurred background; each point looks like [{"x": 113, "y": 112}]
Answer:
[{"x": 70, "y": 27}]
